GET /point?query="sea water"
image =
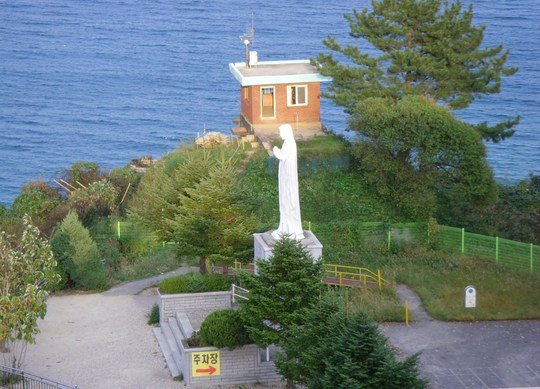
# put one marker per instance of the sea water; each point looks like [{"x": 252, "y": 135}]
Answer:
[{"x": 108, "y": 82}]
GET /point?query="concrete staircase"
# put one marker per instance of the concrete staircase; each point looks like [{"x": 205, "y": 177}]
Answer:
[{"x": 169, "y": 335}]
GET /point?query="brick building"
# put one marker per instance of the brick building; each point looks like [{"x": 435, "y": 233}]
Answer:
[{"x": 277, "y": 92}]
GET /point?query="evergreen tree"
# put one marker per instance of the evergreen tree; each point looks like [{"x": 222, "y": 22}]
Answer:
[
  {"x": 333, "y": 348},
  {"x": 427, "y": 47},
  {"x": 211, "y": 219},
  {"x": 157, "y": 200},
  {"x": 418, "y": 157},
  {"x": 78, "y": 255},
  {"x": 287, "y": 285}
]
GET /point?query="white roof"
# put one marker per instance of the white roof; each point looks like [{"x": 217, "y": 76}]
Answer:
[{"x": 276, "y": 72}]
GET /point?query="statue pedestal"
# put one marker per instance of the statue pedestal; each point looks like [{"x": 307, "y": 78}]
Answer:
[{"x": 264, "y": 242}]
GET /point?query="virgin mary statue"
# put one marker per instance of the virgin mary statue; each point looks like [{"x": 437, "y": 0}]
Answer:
[{"x": 290, "y": 222}]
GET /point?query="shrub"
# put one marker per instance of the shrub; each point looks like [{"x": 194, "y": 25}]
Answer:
[
  {"x": 195, "y": 283},
  {"x": 159, "y": 261},
  {"x": 194, "y": 340},
  {"x": 98, "y": 198},
  {"x": 38, "y": 200},
  {"x": 224, "y": 329},
  {"x": 153, "y": 316},
  {"x": 109, "y": 251},
  {"x": 63, "y": 252}
]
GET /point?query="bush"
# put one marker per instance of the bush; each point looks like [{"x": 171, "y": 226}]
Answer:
[
  {"x": 224, "y": 329},
  {"x": 63, "y": 252},
  {"x": 194, "y": 340},
  {"x": 38, "y": 200},
  {"x": 153, "y": 316},
  {"x": 161, "y": 260},
  {"x": 195, "y": 283}
]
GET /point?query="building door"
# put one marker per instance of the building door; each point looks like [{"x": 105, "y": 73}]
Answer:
[{"x": 267, "y": 102}]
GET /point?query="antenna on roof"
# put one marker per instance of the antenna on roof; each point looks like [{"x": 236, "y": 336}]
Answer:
[{"x": 248, "y": 39}]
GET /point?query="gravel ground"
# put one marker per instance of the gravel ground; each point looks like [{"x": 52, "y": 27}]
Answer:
[
  {"x": 98, "y": 341},
  {"x": 102, "y": 340}
]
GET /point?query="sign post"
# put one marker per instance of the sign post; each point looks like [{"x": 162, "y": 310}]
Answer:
[
  {"x": 205, "y": 363},
  {"x": 470, "y": 297}
]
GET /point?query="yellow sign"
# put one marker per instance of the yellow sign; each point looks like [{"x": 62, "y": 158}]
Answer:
[{"x": 205, "y": 363}]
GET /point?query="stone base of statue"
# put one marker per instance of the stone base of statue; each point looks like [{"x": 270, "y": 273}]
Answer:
[{"x": 264, "y": 242}]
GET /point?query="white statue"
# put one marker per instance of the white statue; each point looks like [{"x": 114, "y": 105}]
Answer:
[{"x": 290, "y": 222}]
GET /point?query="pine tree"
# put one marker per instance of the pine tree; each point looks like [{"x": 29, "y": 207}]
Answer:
[
  {"x": 413, "y": 151},
  {"x": 427, "y": 47},
  {"x": 78, "y": 255},
  {"x": 286, "y": 286},
  {"x": 334, "y": 348},
  {"x": 211, "y": 220},
  {"x": 157, "y": 200}
]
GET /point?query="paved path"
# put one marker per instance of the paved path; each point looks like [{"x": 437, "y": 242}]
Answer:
[
  {"x": 457, "y": 355},
  {"x": 134, "y": 287}
]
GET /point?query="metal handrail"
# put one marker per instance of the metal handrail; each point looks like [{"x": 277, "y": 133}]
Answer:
[
  {"x": 12, "y": 378},
  {"x": 235, "y": 295},
  {"x": 353, "y": 273}
]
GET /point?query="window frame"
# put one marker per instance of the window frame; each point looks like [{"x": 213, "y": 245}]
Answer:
[{"x": 290, "y": 89}]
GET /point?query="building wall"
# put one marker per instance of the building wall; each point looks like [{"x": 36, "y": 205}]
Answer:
[{"x": 251, "y": 106}]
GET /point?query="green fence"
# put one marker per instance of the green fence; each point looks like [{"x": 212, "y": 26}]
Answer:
[
  {"x": 389, "y": 235},
  {"x": 127, "y": 232},
  {"x": 392, "y": 236},
  {"x": 524, "y": 256}
]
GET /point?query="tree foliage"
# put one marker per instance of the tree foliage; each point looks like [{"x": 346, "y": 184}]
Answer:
[
  {"x": 212, "y": 220},
  {"x": 422, "y": 47},
  {"x": 83, "y": 173},
  {"x": 516, "y": 214},
  {"x": 279, "y": 296},
  {"x": 333, "y": 348},
  {"x": 27, "y": 271},
  {"x": 78, "y": 255},
  {"x": 98, "y": 198},
  {"x": 157, "y": 201},
  {"x": 37, "y": 200},
  {"x": 413, "y": 150}
]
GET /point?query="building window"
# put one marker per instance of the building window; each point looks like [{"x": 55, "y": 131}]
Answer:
[
  {"x": 297, "y": 95},
  {"x": 246, "y": 92}
]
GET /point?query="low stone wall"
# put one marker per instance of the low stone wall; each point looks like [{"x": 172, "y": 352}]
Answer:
[
  {"x": 242, "y": 365},
  {"x": 192, "y": 302}
]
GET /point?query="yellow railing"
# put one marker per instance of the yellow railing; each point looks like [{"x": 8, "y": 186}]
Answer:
[
  {"x": 339, "y": 275},
  {"x": 237, "y": 265},
  {"x": 352, "y": 276}
]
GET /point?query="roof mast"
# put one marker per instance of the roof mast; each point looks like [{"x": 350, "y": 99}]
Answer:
[{"x": 248, "y": 40}]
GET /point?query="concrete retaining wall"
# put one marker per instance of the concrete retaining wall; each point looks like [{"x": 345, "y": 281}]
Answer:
[
  {"x": 242, "y": 365},
  {"x": 188, "y": 302},
  {"x": 239, "y": 366}
]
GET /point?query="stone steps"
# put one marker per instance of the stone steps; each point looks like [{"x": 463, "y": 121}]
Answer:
[
  {"x": 168, "y": 336},
  {"x": 183, "y": 322},
  {"x": 167, "y": 353}
]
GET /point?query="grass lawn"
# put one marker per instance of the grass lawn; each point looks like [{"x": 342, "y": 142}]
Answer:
[{"x": 440, "y": 280}]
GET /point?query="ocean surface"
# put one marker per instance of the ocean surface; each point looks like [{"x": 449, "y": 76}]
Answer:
[{"x": 108, "y": 82}]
